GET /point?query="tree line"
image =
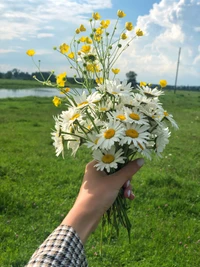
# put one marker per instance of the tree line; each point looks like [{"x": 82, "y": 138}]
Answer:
[{"x": 131, "y": 76}]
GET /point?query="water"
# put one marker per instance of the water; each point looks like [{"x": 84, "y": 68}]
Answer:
[{"x": 41, "y": 92}]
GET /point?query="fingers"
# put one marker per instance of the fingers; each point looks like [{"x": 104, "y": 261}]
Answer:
[
  {"x": 120, "y": 177},
  {"x": 128, "y": 190}
]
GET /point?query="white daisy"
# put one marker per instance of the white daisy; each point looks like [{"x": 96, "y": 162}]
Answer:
[
  {"x": 57, "y": 138},
  {"x": 135, "y": 116},
  {"x": 81, "y": 101},
  {"x": 73, "y": 142},
  {"x": 147, "y": 91},
  {"x": 162, "y": 135},
  {"x": 68, "y": 117},
  {"x": 104, "y": 105},
  {"x": 117, "y": 88},
  {"x": 92, "y": 141},
  {"x": 112, "y": 132},
  {"x": 108, "y": 159},
  {"x": 169, "y": 117},
  {"x": 135, "y": 134}
]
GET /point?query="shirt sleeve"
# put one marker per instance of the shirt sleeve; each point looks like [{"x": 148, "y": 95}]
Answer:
[{"x": 62, "y": 248}]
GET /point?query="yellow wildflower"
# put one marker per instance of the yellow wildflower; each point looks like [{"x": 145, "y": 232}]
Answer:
[
  {"x": 105, "y": 23},
  {"x": 99, "y": 80},
  {"x": 121, "y": 14},
  {"x": 99, "y": 31},
  {"x": 82, "y": 39},
  {"x": 163, "y": 83},
  {"x": 115, "y": 71},
  {"x": 77, "y": 31},
  {"x": 139, "y": 32},
  {"x": 97, "y": 38},
  {"x": 71, "y": 55},
  {"x": 60, "y": 79},
  {"x": 56, "y": 101},
  {"x": 96, "y": 16},
  {"x": 65, "y": 90},
  {"x": 124, "y": 36},
  {"x": 129, "y": 26},
  {"x": 85, "y": 49},
  {"x": 143, "y": 83},
  {"x": 88, "y": 40},
  {"x": 30, "y": 52},
  {"x": 82, "y": 28},
  {"x": 64, "y": 48},
  {"x": 92, "y": 68}
]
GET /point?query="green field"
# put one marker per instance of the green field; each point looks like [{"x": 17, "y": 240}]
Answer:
[
  {"x": 24, "y": 84},
  {"x": 37, "y": 189}
]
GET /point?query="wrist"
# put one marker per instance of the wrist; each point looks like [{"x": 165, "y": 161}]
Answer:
[{"x": 83, "y": 220}]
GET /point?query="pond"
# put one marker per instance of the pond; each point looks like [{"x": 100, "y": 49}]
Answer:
[{"x": 41, "y": 92}]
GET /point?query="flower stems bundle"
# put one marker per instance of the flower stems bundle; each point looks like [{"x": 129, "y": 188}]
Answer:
[{"x": 110, "y": 117}]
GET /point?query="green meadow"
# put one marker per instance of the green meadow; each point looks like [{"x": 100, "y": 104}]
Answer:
[{"x": 37, "y": 189}]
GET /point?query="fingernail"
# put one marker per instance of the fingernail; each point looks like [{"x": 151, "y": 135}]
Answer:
[
  {"x": 127, "y": 183},
  {"x": 129, "y": 193},
  {"x": 140, "y": 162}
]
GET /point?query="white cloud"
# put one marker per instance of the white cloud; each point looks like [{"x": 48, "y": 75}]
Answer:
[
  {"x": 45, "y": 35},
  {"x": 168, "y": 26},
  {"x": 25, "y": 18},
  {"x": 5, "y": 51}
]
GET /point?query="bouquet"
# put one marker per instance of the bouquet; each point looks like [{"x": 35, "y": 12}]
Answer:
[{"x": 112, "y": 118}]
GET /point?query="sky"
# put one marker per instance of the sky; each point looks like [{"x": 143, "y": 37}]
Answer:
[{"x": 168, "y": 25}]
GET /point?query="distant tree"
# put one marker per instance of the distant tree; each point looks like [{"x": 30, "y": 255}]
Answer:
[
  {"x": 8, "y": 75},
  {"x": 15, "y": 73},
  {"x": 1, "y": 75},
  {"x": 131, "y": 77}
]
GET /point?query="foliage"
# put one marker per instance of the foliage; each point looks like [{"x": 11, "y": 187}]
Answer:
[{"x": 37, "y": 189}]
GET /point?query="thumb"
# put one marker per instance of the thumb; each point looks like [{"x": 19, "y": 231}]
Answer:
[{"x": 121, "y": 176}]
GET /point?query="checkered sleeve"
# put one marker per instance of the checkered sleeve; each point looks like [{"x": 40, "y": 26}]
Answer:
[{"x": 62, "y": 248}]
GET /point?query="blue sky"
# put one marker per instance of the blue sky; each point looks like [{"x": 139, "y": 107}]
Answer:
[{"x": 168, "y": 25}]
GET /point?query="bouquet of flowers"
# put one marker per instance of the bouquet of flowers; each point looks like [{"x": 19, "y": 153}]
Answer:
[{"x": 108, "y": 116}]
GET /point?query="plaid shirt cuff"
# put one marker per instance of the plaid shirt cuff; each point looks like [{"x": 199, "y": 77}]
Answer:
[{"x": 62, "y": 248}]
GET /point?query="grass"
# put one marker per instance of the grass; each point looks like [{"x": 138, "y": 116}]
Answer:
[
  {"x": 24, "y": 84},
  {"x": 37, "y": 189}
]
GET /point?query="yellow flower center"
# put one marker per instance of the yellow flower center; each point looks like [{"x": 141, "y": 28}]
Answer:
[
  {"x": 96, "y": 141},
  {"x": 121, "y": 117},
  {"x": 166, "y": 114},
  {"x": 134, "y": 116},
  {"x": 114, "y": 93},
  {"x": 108, "y": 158},
  {"x": 109, "y": 133},
  {"x": 132, "y": 133},
  {"x": 75, "y": 117},
  {"x": 103, "y": 109},
  {"x": 83, "y": 103}
]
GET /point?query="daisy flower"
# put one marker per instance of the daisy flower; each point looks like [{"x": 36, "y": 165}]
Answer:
[
  {"x": 92, "y": 141},
  {"x": 117, "y": 89},
  {"x": 73, "y": 142},
  {"x": 68, "y": 117},
  {"x": 135, "y": 116},
  {"x": 112, "y": 132},
  {"x": 104, "y": 105},
  {"x": 135, "y": 134},
  {"x": 169, "y": 117},
  {"x": 108, "y": 159},
  {"x": 83, "y": 100},
  {"x": 147, "y": 91},
  {"x": 162, "y": 134},
  {"x": 57, "y": 138}
]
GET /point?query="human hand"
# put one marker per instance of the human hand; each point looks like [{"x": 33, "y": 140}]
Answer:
[{"x": 97, "y": 193}]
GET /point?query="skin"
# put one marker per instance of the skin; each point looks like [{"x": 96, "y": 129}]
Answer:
[{"x": 97, "y": 193}]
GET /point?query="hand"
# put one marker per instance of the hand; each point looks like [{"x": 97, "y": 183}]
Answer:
[{"x": 97, "y": 193}]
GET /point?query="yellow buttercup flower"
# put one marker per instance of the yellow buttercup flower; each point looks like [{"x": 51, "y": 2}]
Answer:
[
  {"x": 82, "y": 28},
  {"x": 71, "y": 55},
  {"x": 30, "y": 52},
  {"x": 88, "y": 40},
  {"x": 82, "y": 39},
  {"x": 143, "y": 83},
  {"x": 60, "y": 79},
  {"x": 64, "y": 48},
  {"x": 129, "y": 26},
  {"x": 92, "y": 68},
  {"x": 121, "y": 14},
  {"x": 77, "y": 31},
  {"x": 96, "y": 16},
  {"x": 163, "y": 83},
  {"x": 85, "y": 49},
  {"x": 56, "y": 101},
  {"x": 124, "y": 36},
  {"x": 99, "y": 31},
  {"x": 97, "y": 38},
  {"x": 105, "y": 23},
  {"x": 139, "y": 32},
  {"x": 99, "y": 80},
  {"x": 115, "y": 71},
  {"x": 65, "y": 90}
]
